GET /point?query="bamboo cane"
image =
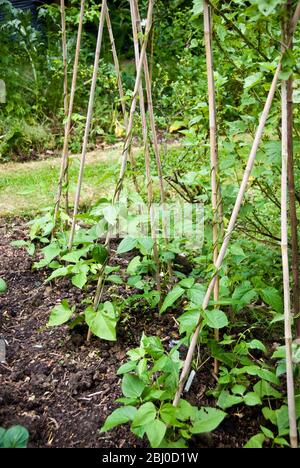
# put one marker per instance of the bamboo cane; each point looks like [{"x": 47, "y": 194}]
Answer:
[
  {"x": 291, "y": 183},
  {"x": 214, "y": 163},
  {"x": 117, "y": 65},
  {"x": 127, "y": 145},
  {"x": 121, "y": 92},
  {"x": 88, "y": 121},
  {"x": 64, "y": 159},
  {"x": 153, "y": 131},
  {"x": 286, "y": 140},
  {"x": 64, "y": 51},
  {"x": 285, "y": 269},
  {"x": 128, "y": 139},
  {"x": 146, "y": 146}
]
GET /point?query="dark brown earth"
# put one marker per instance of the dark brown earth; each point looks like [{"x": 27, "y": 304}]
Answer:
[{"x": 61, "y": 388}]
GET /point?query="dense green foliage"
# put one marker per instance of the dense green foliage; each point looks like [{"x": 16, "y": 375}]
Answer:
[{"x": 247, "y": 49}]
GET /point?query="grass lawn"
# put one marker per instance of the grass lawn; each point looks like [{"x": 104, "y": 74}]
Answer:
[{"x": 28, "y": 187}]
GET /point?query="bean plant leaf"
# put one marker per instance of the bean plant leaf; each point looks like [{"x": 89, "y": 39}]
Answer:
[
  {"x": 272, "y": 297},
  {"x": 3, "y": 286},
  {"x": 144, "y": 415},
  {"x": 207, "y": 420},
  {"x": 156, "y": 431},
  {"x": 103, "y": 322},
  {"x": 255, "y": 441},
  {"x": 60, "y": 314},
  {"x": 119, "y": 416},
  {"x": 171, "y": 297},
  {"x": 15, "y": 437},
  {"x": 215, "y": 319},
  {"x": 132, "y": 386},
  {"x": 126, "y": 245}
]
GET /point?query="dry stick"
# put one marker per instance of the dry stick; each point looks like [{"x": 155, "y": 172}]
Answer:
[
  {"x": 88, "y": 120},
  {"x": 146, "y": 147},
  {"x": 127, "y": 145},
  {"x": 285, "y": 127},
  {"x": 121, "y": 91},
  {"x": 231, "y": 226},
  {"x": 285, "y": 268},
  {"x": 153, "y": 131},
  {"x": 214, "y": 163},
  {"x": 234, "y": 215},
  {"x": 64, "y": 159},
  {"x": 291, "y": 187}
]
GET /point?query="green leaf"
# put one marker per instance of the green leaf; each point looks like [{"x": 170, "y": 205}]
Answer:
[
  {"x": 255, "y": 441},
  {"x": 127, "y": 367},
  {"x": 188, "y": 321},
  {"x": 272, "y": 297},
  {"x": 110, "y": 214},
  {"x": 196, "y": 294},
  {"x": 2, "y": 432},
  {"x": 80, "y": 279},
  {"x": 226, "y": 400},
  {"x": 208, "y": 419},
  {"x": 186, "y": 411},
  {"x": 256, "y": 344},
  {"x": 60, "y": 314},
  {"x": 187, "y": 282},
  {"x": 252, "y": 399},
  {"x": 119, "y": 416},
  {"x": 133, "y": 265},
  {"x": 145, "y": 244},
  {"x": 269, "y": 434},
  {"x": 215, "y": 318},
  {"x": 126, "y": 245},
  {"x": 132, "y": 386},
  {"x": 103, "y": 322},
  {"x": 263, "y": 388},
  {"x": 156, "y": 432},
  {"x": 269, "y": 415},
  {"x": 63, "y": 271},
  {"x": 171, "y": 297},
  {"x": 268, "y": 6},
  {"x": 50, "y": 252},
  {"x": 114, "y": 279},
  {"x": 144, "y": 415},
  {"x": 282, "y": 441},
  {"x": 3, "y": 286},
  {"x": 238, "y": 389},
  {"x": 100, "y": 254},
  {"x": 15, "y": 437},
  {"x": 168, "y": 414},
  {"x": 75, "y": 255},
  {"x": 253, "y": 80},
  {"x": 197, "y": 8}
]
